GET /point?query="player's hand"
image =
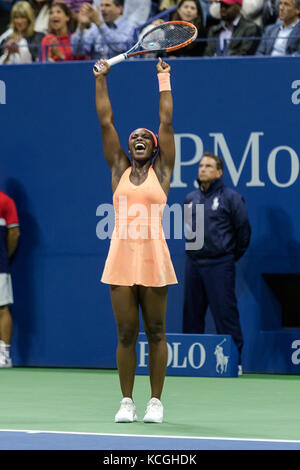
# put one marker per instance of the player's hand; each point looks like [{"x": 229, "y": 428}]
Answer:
[
  {"x": 162, "y": 67},
  {"x": 104, "y": 68}
]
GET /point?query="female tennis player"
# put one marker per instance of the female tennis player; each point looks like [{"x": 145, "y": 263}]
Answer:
[{"x": 138, "y": 267}]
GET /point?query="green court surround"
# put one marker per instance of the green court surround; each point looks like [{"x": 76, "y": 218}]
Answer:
[{"x": 253, "y": 406}]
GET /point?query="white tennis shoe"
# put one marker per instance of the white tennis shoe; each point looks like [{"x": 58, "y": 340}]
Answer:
[
  {"x": 154, "y": 411},
  {"x": 127, "y": 412},
  {"x": 5, "y": 361}
]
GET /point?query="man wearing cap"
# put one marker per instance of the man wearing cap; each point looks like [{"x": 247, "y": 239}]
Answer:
[
  {"x": 283, "y": 37},
  {"x": 234, "y": 34}
]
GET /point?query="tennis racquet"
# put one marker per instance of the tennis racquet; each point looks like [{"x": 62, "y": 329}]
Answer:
[{"x": 165, "y": 37}]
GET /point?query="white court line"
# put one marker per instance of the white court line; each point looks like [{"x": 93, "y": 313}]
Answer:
[{"x": 243, "y": 439}]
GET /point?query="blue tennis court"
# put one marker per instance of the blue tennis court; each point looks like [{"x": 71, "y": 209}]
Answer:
[{"x": 43, "y": 440}]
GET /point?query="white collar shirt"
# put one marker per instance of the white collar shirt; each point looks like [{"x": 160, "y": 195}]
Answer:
[
  {"x": 280, "y": 43},
  {"x": 226, "y": 33}
]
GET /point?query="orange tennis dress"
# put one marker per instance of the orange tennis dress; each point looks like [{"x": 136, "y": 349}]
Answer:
[{"x": 138, "y": 252}]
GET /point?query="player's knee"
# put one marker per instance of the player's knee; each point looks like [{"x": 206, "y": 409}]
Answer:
[
  {"x": 127, "y": 336},
  {"x": 155, "y": 333}
]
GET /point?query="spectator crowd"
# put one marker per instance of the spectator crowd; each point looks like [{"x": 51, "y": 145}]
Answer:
[{"x": 64, "y": 30}]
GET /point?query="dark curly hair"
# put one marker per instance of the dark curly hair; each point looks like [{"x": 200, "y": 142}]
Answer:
[{"x": 68, "y": 12}]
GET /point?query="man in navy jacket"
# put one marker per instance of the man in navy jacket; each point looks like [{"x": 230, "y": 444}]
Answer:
[
  {"x": 283, "y": 37},
  {"x": 210, "y": 271}
]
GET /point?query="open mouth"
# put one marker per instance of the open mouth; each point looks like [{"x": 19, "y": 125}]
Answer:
[
  {"x": 140, "y": 147},
  {"x": 55, "y": 22}
]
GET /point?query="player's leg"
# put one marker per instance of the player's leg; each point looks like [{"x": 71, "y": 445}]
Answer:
[
  {"x": 125, "y": 306},
  {"x": 153, "y": 301}
]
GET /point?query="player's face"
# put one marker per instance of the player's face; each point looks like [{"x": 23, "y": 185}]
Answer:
[
  {"x": 20, "y": 24},
  {"x": 208, "y": 170},
  {"x": 110, "y": 12},
  {"x": 288, "y": 13},
  {"x": 188, "y": 11},
  {"x": 141, "y": 145}
]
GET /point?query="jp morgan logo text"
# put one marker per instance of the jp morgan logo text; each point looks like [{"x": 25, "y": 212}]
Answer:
[{"x": 250, "y": 151}]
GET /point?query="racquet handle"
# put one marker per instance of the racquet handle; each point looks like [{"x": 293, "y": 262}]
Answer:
[{"x": 112, "y": 61}]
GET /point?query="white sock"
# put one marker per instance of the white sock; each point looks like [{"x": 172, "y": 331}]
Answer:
[{"x": 5, "y": 349}]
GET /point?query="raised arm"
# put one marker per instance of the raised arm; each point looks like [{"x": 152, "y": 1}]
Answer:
[
  {"x": 113, "y": 153},
  {"x": 166, "y": 158}
]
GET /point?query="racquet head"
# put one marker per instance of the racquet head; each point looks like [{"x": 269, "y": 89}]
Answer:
[{"x": 167, "y": 37}]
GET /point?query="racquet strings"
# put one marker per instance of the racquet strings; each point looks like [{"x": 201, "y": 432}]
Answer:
[{"x": 166, "y": 35}]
